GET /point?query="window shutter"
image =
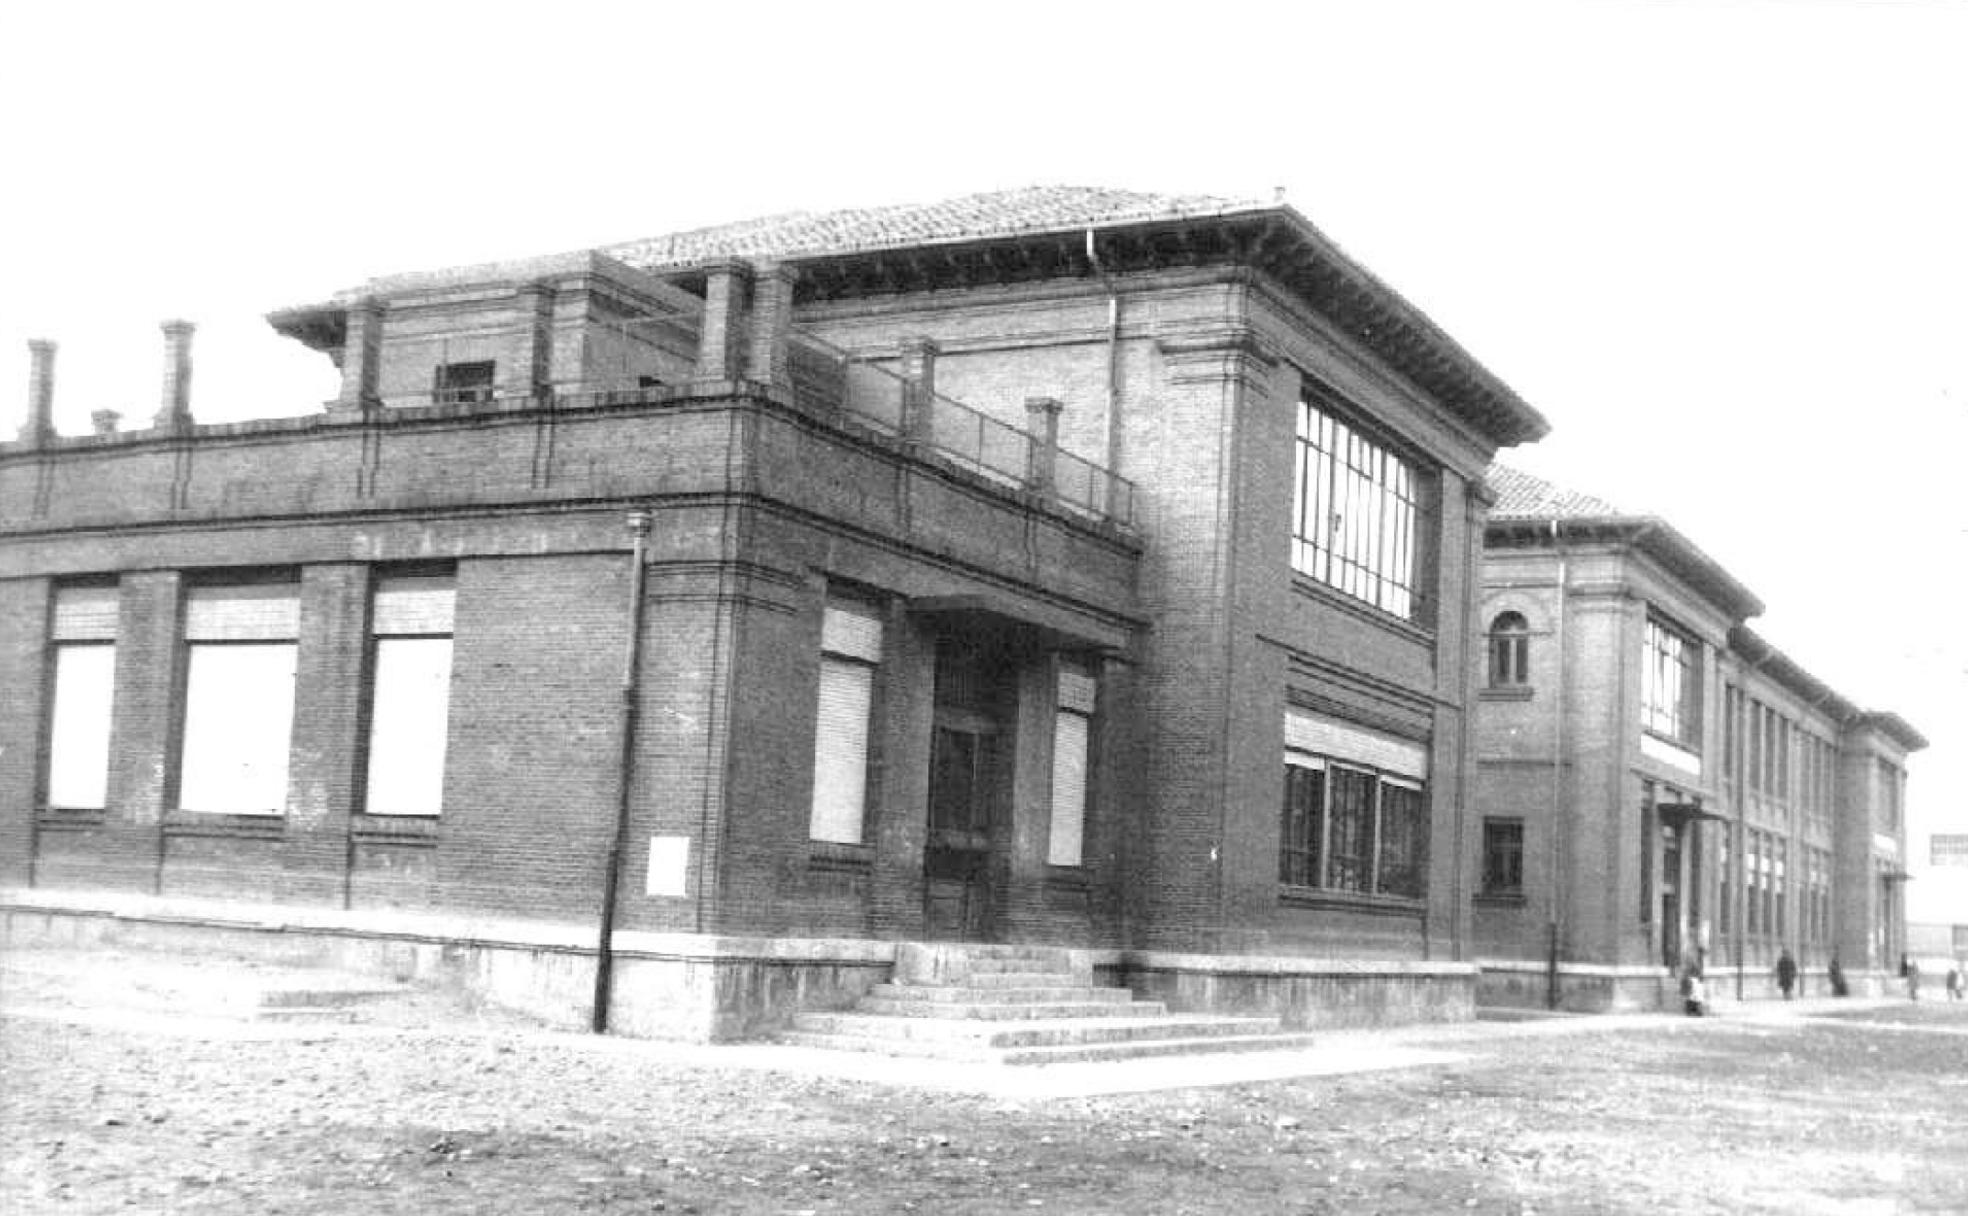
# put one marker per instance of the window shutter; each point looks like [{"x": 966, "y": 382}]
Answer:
[
  {"x": 840, "y": 750},
  {"x": 1069, "y": 787}
]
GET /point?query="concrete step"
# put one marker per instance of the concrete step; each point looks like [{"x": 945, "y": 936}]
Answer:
[
  {"x": 984, "y": 1011},
  {"x": 940, "y": 963},
  {"x": 1041, "y": 1032},
  {"x": 1023, "y": 979},
  {"x": 304, "y": 1013},
  {"x": 973, "y": 995},
  {"x": 328, "y": 996},
  {"x": 1079, "y": 1053}
]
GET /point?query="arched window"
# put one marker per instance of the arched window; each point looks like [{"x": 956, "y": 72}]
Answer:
[{"x": 1510, "y": 651}]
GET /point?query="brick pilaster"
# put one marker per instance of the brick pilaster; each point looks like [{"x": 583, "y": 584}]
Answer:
[
  {"x": 361, "y": 355},
  {"x": 322, "y": 774},
  {"x": 722, "y": 326},
  {"x": 528, "y": 366},
  {"x": 770, "y": 361},
  {"x": 143, "y": 726}
]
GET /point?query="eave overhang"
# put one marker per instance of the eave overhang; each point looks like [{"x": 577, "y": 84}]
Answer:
[
  {"x": 1274, "y": 239},
  {"x": 1767, "y": 660},
  {"x": 1646, "y": 533}
]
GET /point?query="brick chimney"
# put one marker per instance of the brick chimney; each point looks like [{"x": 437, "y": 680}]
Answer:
[
  {"x": 40, "y": 424},
  {"x": 175, "y": 411}
]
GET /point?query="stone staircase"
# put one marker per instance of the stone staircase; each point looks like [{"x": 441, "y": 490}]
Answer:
[{"x": 1021, "y": 1005}]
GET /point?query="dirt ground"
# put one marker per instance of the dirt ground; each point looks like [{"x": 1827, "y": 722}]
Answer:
[{"x": 426, "y": 1106}]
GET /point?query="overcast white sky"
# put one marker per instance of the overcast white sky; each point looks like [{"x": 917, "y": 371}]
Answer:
[{"x": 1720, "y": 245}]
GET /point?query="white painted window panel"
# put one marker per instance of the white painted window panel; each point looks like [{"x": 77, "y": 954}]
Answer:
[
  {"x": 265, "y": 613},
  {"x": 422, "y": 604},
  {"x": 238, "y": 721},
  {"x": 85, "y": 614},
  {"x": 408, "y": 719},
  {"x": 1306, "y": 732},
  {"x": 78, "y": 745},
  {"x": 851, "y": 633},
  {"x": 1069, "y": 789},
  {"x": 840, "y": 750}
]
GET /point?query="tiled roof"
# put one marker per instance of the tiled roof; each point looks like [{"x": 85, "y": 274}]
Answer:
[
  {"x": 997, "y": 213},
  {"x": 1522, "y": 496}
]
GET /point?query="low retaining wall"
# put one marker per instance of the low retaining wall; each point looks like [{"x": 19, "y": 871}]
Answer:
[
  {"x": 1306, "y": 994},
  {"x": 1582, "y": 987},
  {"x": 693, "y": 987}
]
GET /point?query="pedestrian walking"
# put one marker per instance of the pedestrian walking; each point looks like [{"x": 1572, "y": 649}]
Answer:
[
  {"x": 1910, "y": 967},
  {"x": 1786, "y": 972},
  {"x": 1954, "y": 981},
  {"x": 1694, "y": 993},
  {"x": 1836, "y": 975}
]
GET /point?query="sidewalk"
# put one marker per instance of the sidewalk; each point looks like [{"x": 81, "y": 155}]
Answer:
[{"x": 209, "y": 997}]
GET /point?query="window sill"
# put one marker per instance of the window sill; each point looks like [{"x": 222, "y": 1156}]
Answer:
[
  {"x": 1352, "y": 901},
  {"x": 70, "y": 818},
  {"x": 1312, "y": 588},
  {"x": 1501, "y": 899},
  {"x": 1507, "y": 692},
  {"x": 400, "y": 828},
  {"x": 831, "y": 857},
  {"x": 1068, "y": 878},
  {"x": 221, "y": 824}
]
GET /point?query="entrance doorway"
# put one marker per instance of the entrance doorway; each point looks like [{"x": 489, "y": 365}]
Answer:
[{"x": 969, "y": 790}]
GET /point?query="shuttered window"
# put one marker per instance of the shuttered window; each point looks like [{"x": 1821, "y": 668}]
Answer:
[
  {"x": 850, "y": 643},
  {"x": 410, "y": 695},
  {"x": 238, "y": 699},
  {"x": 1072, "y": 732},
  {"x": 83, "y": 680}
]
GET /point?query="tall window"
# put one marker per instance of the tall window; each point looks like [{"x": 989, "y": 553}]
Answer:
[
  {"x": 83, "y": 678},
  {"x": 1510, "y": 651},
  {"x": 850, "y": 649},
  {"x": 1670, "y": 685},
  {"x": 1503, "y": 857},
  {"x": 240, "y": 644},
  {"x": 1354, "y": 516},
  {"x": 1357, "y": 824},
  {"x": 409, "y": 694},
  {"x": 1072, "y": 730},
  {"x": 1889, "y": 795}
]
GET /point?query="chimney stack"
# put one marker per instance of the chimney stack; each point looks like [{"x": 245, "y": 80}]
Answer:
[
  {"x": 40, "y": 424},
  {"x": 175, "y": 412}
]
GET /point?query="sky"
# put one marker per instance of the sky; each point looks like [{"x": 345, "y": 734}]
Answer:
[{"x": 1720, "y": 245}]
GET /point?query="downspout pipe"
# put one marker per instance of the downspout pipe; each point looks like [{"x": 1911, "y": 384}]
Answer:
[
  {"x": 1553, "y": 922},
  {"x": 638, "y": 522},
  {"x": 1110, "y": 405}
]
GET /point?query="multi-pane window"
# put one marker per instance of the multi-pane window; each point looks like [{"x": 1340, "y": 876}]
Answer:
[
  {"x": 1346, "y": 827},
  {"x": 240, "y": 644},
  {"x": 1731, "y": 732},
  {"x": 1510, "y": 650},
  {"x": 1889, "y": 795},
  {"x": 83, "y": 678},
  {"x": 1780, "y": 886},
  {"x": 409, "y": 694},
  {"x": 1503, "y": 857},
  {"x": 1670, "y": 685},
  {"x": 463, "y": 383},
  {"x": 1072, "y": 731},
  {"x": 1355, "y": 517},
  {"x": 850, "y": 649},
  {"x": 1948, "y": 849},
  {"x": 1725, "y": 886}
]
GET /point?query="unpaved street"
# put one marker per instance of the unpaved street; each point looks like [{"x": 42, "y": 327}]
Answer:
[{"x": 423, "y": 1107}]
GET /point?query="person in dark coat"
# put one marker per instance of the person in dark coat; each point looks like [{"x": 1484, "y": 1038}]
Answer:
[
  {"x": 1836, "y": 974},
  {"x": 1786, "y": 972}
]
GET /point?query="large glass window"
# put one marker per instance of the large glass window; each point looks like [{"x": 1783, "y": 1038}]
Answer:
[
  {"x": 1670, "y": 685},
  {"x": 240, "y": 646},
  {"x": 83, "y": 680},
  {"x": 409, "y": 694},
  {"x": 850, "y": 649},
  {"x": 1345, "y": 828},
  {"x": 1355, "y": 518}
]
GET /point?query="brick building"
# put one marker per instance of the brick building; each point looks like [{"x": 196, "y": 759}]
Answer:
[
  {"x": 1658, "y": 786},
  {"x": 737, "y": 604}
]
